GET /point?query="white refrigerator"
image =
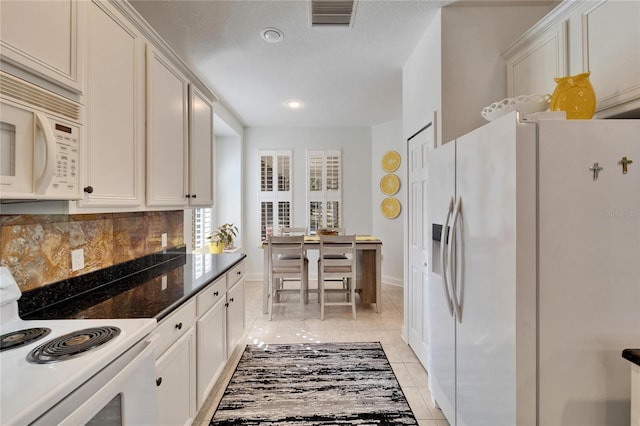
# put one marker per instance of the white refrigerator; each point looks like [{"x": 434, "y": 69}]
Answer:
[{"x": 534, "y": 272}]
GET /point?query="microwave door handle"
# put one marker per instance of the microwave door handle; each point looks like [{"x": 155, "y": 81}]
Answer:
[{"x": 44, "y": 180}]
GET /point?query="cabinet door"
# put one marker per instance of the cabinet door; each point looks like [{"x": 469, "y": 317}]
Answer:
[
  {"x": 176, "y": 381},
  {"x": 235, "y": 315},
  {"x": 167, "y": 135},
  {"x": 610, "y": 47},
  {"x": 532, "y": 68},
  {"x": 114, "y": 155},
  {"x": 211, "y": 330},
  {"x": 200, "y": 150},
  {"x": 44, "y": 37}
]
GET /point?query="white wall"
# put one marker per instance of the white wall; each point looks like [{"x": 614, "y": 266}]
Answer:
[
  {"x": 228, "y": 183},
  {"x": 386, "y": 137},
  {"x": 355, "y": 144},
  {"x": 474, "y": 72},
  {"x": 421, "y": 78}
]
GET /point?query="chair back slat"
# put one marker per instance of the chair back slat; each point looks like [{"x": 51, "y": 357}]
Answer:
[
  {"x": 287, "y": 255},
  {"x": 338, "y": 255},
  {"x": 293, "y": 231}
]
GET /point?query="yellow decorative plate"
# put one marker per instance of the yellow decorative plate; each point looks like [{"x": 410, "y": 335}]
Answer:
[
  {"x": 391, "y": 161},
  {"x": 390, "y": 207},
  {"x": 389, "y": 184}
]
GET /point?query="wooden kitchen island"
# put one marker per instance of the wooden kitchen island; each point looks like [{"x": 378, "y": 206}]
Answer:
[{"x": 369, "y": 263}]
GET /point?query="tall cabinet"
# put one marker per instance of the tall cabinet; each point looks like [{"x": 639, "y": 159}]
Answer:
[
  {"x": 167, "y": 132},
  {"x": 115, "y": 90}
]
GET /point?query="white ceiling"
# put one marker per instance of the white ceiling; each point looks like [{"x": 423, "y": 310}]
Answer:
[{"x": 344, "y": 76}]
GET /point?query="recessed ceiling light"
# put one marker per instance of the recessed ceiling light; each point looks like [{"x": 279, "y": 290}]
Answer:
[
  {"x": 294, "y": 104},
  {"x": 272, "y": 35}
]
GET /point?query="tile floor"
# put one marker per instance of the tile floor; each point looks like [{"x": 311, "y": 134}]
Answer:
[{"x": 290, "y": 326}]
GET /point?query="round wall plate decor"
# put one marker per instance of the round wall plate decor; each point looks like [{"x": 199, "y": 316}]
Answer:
[
  {"x": 389, "y": 184},
  {"x": 391, "y": 161},
  {"x": 390, "y": 207}
]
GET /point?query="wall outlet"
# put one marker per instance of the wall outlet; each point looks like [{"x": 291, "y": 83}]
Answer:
[
  {"x": 163, "y": 281},
  {"x": 164, "y": 240},
  {"x": 77, "y": 259}
]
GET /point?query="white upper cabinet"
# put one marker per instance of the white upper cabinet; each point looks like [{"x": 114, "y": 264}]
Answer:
[
  {"x": 600, "y": 36},
  {"x": 44, "y": 38},
  {"x": 114, "y": 153},
  {"x": 611, "y": 51},
  {"x": 200, "y": 149},
  {"x": 167, "y": 133},
  {"x": 531, "y": 68}
]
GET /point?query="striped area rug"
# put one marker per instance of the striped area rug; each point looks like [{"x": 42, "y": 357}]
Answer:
[{"x": 314, "y": 384}]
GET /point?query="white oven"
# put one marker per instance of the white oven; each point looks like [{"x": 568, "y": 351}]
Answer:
[
  {"x": 40, "y": 143},
  {"x": 74, "y": 372}
]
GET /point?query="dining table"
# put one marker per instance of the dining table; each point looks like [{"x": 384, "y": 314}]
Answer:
[{"x": 369, "y": 283}]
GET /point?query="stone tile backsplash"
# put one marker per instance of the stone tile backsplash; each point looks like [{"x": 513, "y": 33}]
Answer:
[{"x": 37, "y": 248}]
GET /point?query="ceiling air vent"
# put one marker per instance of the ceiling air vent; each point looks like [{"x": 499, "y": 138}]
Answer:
[{"x": 332, "y": 13}]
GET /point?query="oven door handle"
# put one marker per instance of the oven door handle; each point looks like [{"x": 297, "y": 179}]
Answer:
[{"x": 92, "y": 406}]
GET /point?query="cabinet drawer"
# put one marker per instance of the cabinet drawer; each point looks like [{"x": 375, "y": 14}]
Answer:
[
  {"x": 235, "y": 274},
  {"x": 210, "y": 295},
  {"x": 175, "y": 325}
]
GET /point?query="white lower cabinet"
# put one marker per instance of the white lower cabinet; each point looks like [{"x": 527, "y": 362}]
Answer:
[
  {"x": 176, "y": 367},
  {"x": 176, "y": 378},
  {"x": 212, "y": 342},
  {"x": 194, "y": 344},
  {"x": 235, "y": 315}
]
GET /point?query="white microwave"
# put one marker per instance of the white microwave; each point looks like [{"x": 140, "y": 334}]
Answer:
[{"x": 40, "y": 143}]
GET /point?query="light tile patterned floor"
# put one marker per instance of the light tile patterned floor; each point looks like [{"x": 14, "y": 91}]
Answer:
[{"x": 292, "y": 324}]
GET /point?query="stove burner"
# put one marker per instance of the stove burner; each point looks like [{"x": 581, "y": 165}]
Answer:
[
  {"x": 22, "y": 337},
  {"x": 72, "y": 345}
]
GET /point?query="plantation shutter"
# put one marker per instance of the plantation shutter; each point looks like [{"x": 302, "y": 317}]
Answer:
[
  {"x": 324, "y": 189},
  {"x": 275, "y": 196}
]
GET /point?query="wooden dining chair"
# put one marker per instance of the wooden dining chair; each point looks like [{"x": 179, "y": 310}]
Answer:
[
  {"x": 286, "y": 254},
  {"x": 337, "y": 262},
  {"x": 284, "y": 230}
]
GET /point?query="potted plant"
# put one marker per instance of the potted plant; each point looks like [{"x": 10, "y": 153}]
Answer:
[{"x": 222, "y": 238}]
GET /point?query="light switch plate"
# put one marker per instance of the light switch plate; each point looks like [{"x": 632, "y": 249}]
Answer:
[
  {"x": 77, "y": 259},
  {"x": 164, "y": 240},
  {"x": 163, "y": 281}
]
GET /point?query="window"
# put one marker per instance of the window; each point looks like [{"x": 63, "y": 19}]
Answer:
[
  {"x": 275, "y": 196},
  {"x": 201, "y": 227},
  {"x": 324, "y": 189}
]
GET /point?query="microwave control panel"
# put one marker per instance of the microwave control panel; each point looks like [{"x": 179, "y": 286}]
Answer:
[{"x": 66, "y": 179}]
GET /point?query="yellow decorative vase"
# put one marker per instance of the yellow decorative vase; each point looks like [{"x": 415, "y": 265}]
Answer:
[
  {"x": 215, "y": 247},
  {"x": 575, "y": 96}
]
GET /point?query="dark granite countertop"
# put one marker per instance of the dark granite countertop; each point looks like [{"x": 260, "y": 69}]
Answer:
[
  {"x": 150, "y": 288},
  {"x": 632, "y": 355}
]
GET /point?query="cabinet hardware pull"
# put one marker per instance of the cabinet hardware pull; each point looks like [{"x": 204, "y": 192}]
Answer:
[
  {"x": 158, "y": 381},
  {"x": 88, "y": 189},
  {"x": 215, "y": 293},
  {"x": 188, "y": 196},
  {"x": 231, "y": 300},
  {"x": 239, "y": 273},
  {"x": 179, "y": 326},
  {"x": 226, "y": 305},
  {"x": 193, "y": 196}
]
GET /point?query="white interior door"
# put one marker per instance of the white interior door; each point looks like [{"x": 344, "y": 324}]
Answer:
[{"x": 420, "y": 145}]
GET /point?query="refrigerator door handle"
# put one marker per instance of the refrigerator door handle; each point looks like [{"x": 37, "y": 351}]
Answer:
[
  {"x": 452, "y": 259},
  {"x": 443, "y": 266}
]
